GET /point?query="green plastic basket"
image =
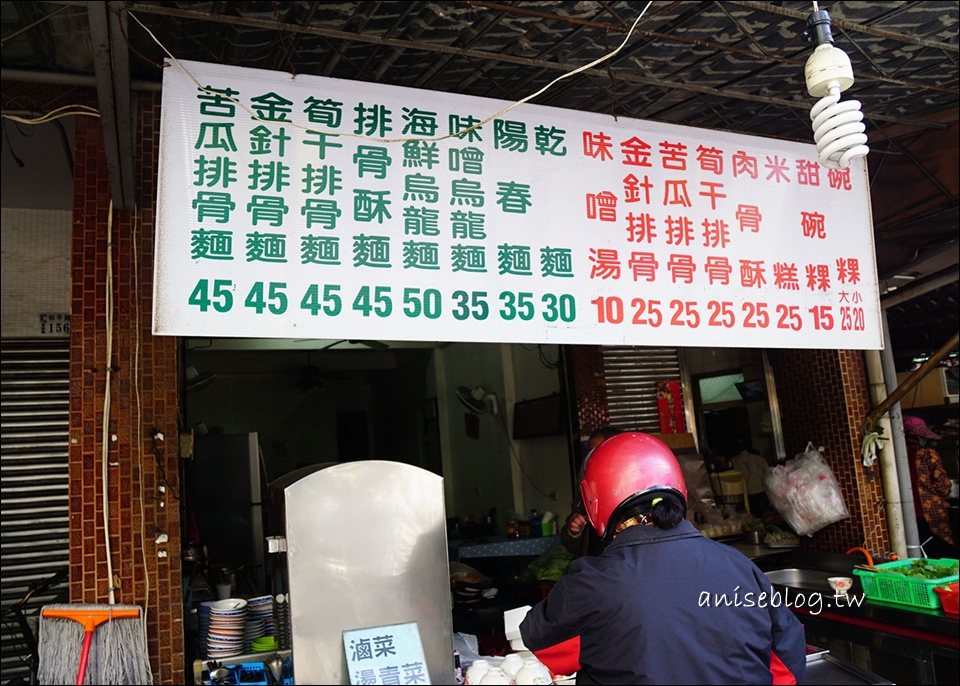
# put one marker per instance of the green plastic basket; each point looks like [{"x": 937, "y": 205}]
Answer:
[{"x": 904, "y": 590}]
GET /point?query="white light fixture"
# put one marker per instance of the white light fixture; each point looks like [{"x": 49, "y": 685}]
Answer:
[{"x": 838, "y": 128}]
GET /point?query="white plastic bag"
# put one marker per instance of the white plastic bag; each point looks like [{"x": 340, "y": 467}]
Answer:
[{"x": 805, "y": 492}]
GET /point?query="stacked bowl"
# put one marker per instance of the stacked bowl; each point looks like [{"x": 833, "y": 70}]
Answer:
[
  {"x": 260, "y": 611},
  {"x": 203, "y": 627},
  {"x": 264, "y": 644},
  {"x": 226, "y": 635}
]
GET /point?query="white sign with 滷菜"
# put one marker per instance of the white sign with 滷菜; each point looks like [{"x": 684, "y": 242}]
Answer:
[
  {"x": 281, "y": 214},
  {"x": 386, "y": 655}
]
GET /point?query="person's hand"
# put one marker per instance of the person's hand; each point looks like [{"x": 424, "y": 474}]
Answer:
[{"x": 575, "y": 523}]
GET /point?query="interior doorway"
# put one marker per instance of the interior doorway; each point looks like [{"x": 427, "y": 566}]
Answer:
[
  {"x": 314, "y": 406},
  {"x": 724, "y": 428}
]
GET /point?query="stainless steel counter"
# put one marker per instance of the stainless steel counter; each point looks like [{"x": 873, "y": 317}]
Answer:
[
  {"x": 896, "y": 619},
  {"x": 826, "y": 668}
]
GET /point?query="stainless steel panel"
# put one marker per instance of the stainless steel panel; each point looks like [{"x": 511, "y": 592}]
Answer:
[
  {"x": 774, "y": 403},
  {"x": 366, "y": 547}
]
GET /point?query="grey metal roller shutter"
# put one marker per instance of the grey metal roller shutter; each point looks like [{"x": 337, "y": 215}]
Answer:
[
  {"x": 631, "y": 374},
  {"x": 34, "y": 525}
]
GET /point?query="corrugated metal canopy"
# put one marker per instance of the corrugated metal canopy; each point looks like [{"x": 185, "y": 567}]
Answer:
[{"x": 735, "y": 66}]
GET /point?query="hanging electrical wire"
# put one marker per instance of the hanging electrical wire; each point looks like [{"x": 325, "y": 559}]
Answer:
[
  {"x": 60, "y": 112},
  {"x": 457, "y": 134},
  {"x": 105, "y": 437},
  {"x": 502, "y": 422},
  {"x": 542, "y": 355}
]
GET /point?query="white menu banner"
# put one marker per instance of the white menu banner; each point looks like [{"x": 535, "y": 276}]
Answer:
[{"x": 311, "y": 207}]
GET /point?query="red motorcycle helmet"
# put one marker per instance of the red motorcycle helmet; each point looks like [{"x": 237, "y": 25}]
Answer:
[{"x": 624, "y": 468}]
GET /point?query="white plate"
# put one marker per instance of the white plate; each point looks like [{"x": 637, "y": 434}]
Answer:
[{"x": 229, "y": 605}]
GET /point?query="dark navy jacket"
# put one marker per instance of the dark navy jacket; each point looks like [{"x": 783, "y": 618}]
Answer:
[{"x": 646, "y": 612}]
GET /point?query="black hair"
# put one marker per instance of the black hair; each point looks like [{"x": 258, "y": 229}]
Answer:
[{"x": 667, "y": 513}]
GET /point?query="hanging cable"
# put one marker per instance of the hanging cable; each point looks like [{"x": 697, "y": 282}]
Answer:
[
  {"x": 138, "y": 431},
  {"x": 105, "y": 439},
  {"x": 60, "y": 112},
  {"x": 457, "y": 134},
  {"x": 501, "y": 416}
]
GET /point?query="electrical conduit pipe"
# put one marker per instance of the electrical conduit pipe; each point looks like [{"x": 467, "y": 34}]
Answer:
[{"x": 886, "y": 457}]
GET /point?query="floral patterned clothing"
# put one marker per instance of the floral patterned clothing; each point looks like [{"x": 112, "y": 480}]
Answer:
[{"x": 931, "y": 486}]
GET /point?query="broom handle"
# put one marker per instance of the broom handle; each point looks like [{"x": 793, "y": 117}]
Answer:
[{"x": 84, "y": 654}]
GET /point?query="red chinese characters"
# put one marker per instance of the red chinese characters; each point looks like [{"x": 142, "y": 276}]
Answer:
[
  {"x": 818, "y": 277},
  {"x": 848, "y": 270},
  {"x": 812, "y": 224},
  {"x": 749, "y": 217},
  {"x": 808, "y": 173},
  {"x": 606, "y": 263},
  {"x": 675, "y": 192},
  {"x": 597, "y": 145},
  {"x": 710, "y": 159},
  {"x": 641, "y": 228},
  {"x": 839, "y": 179},
  {"x": 718, "y": 270},
  {"x": 673, "y": 155},
  {"x": 632, "y": 187},
  {"x": 778, "y": 169},
  {"x": 752, "y": 274},
  {"x": 679, "y": 231},
  {"x": 715, "y": 234},
  {"x": 602, "y": 206},
  {"x": 681, "y": 268},
  {"x": 785, "y": 276},
  {"x": 635, "y": 152},
  {"x": 643, "y": 265},
  {"x": 744, "y": 165},
  {"x": 712, "y": 191}
]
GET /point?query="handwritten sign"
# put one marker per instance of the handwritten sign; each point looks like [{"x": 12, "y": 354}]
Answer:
[
  {"x": 284, "y": 212},
  {"x": 386, "y": 655}
]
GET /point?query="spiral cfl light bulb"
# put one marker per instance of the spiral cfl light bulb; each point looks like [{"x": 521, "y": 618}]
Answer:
[{"x": 838, "y": 128}]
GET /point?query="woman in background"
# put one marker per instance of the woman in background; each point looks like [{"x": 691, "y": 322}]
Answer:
[{"x": 931, "y": 486}]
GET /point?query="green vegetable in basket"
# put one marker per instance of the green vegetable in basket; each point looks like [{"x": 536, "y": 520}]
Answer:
[{"x": 923, "y": 569}]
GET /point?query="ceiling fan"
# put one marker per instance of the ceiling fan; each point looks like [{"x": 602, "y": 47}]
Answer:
[
  {"x": 477, "y": 400},
  {"x": 311, "y": 377},
  {"x": 197, "y": 380}
]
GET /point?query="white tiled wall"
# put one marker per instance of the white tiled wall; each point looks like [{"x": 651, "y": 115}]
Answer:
[{"x": 36, "y": 268}]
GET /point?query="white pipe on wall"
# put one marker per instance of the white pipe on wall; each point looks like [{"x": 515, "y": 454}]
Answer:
[{"x": 887, "y": 457}]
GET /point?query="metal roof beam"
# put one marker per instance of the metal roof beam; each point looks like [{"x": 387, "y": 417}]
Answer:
[
  {"x": 120, "y": 56},
  {"x": 103, "y": 70},
  {"x": 497, "y": 57},
  {"x": 719, "y": 47},
  {"x": 852, "y": 26}
]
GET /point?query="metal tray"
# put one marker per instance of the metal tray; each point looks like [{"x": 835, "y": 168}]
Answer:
[{"x": 824, "y": 668}]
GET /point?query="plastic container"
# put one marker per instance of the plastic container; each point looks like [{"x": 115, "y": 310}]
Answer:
[
  {"x": 904, "y": 590},
  {"x": 948, "y": 596}
]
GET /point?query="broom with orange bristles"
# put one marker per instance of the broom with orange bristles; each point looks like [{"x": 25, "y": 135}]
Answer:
[{"x": 94, "y": 644}]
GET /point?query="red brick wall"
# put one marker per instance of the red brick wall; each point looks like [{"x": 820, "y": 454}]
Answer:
[
  {"x": 824, "y": 399},
  {"x": 589, "y": 387},
  {"x": 144, "y": 399}
]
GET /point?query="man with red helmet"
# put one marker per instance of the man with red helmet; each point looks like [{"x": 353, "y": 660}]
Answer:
[{"x": 636, "y": 614}]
